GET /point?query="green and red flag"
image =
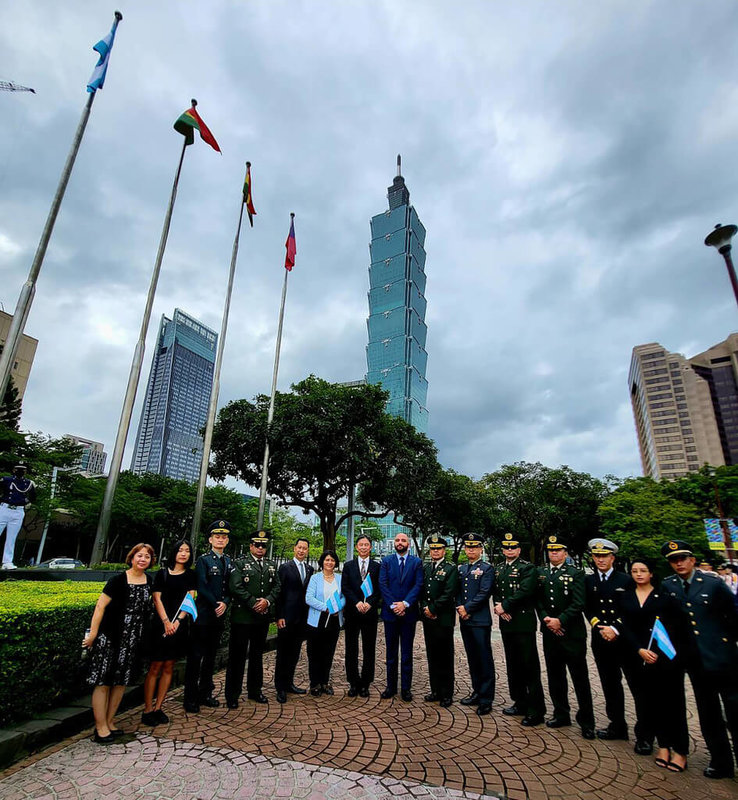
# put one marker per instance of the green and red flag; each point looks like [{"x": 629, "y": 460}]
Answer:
[
  {"x": 291, "y": 246},
  {"x": 190, "y": 122},
  {"x": 247, "y": 195}
]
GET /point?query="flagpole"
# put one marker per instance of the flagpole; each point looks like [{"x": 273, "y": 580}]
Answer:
[
  {"x": 270, "y": 413},
  {"x": 208, "y": 439},
  {"x": 98, "y": 548}
]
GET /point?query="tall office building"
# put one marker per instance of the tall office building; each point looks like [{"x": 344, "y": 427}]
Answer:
[
  {"x": 24, "y": 357},
  {"x": 177, "y": 398},
  {"x": 674, "y": 413},
  {"x": 396, "y": 355},
  {"x": 92, "y": 460}
]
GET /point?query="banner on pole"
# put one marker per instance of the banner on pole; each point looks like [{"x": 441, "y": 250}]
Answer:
[{"x": 714, "y": 533}]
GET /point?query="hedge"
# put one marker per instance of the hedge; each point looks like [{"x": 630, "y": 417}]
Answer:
[{"x": 41, "y": 630}]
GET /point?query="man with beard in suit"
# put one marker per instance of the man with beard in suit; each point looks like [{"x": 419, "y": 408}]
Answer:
[{"x": 291, "y": 612}]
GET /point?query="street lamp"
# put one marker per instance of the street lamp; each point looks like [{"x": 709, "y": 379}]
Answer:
[{"x": 720, "y": 239}]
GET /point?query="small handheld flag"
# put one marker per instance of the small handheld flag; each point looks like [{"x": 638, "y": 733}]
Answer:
[
  {"x": 104, "y": 48},
  {"x": 191, "y": 121},
  {"x": 335, "y": 603},
  {"x": 291, "y": 246},
  {"x": 247, "y": 195},
  {"x": 188, "y": 606},
  {"x": 367, "y": 587},
  {"x": 662, "y": 639}
]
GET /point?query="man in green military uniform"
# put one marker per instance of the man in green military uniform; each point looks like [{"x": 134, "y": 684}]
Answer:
[
  {"x": 561, "y": 596},
  {"x": 438, "y": 606},
  {"x": 254, "y": 585},
  {"x": 515, "y": 607}
]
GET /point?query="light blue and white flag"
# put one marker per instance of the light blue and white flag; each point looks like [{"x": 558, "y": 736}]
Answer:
[
  {"x": 367, "y": 587},
  {"x": 104, "y": 47},
  {"x": 663, "y": 640},
  {"x": 188, "y": 606},
  {"x": 335, "y": 603}
]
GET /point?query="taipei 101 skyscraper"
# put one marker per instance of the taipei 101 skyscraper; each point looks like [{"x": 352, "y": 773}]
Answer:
[{"x": 395, "y": 355}]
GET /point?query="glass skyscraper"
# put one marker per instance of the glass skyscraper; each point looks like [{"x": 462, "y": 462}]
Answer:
[
  {"x": 396, "y": 355},
  {"x": 177, "y": 398}
]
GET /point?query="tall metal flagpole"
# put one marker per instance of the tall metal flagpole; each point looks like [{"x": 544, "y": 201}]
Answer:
[
  {"x": 270, "y": 413},
  {"x": 215, "y": 390},
  {"x": 98, "y": 549}
]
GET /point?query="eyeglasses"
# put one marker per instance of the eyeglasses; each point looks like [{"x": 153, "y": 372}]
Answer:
[{"x": 258, "y": 544}]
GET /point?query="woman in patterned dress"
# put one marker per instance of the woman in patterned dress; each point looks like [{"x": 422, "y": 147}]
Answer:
[{"x": 117, "y": 630}]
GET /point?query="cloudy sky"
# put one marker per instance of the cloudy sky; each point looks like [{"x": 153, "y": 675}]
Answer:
[{"x": 567, "y": 160}]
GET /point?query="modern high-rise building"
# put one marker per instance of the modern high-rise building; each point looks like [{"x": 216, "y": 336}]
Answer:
[
  {"x": 92, "y": 460},
  {"x": 24, "y": 357},
  {"x": 396, "y": 355},
  {"x": 675, "y": 401},
  {"x": 175, "y": 408}
]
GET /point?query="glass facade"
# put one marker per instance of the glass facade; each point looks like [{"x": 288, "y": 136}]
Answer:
[
  {"x": 175, "y": 409},
  {"x": 396, "y": 356}
]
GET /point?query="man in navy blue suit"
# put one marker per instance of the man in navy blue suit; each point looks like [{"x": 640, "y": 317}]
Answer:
[{"x": 400, "y": 582}]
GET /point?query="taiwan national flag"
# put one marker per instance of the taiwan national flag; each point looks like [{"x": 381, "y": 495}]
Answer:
[
  {"x": 191, "y": 121},
  {"x": 291, "y": 246}
]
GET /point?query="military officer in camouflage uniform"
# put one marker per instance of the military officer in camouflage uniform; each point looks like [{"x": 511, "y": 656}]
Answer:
[
  {"x": 561, "y": 596},
  {"x": 438, "y": 612},
  {"x": 515, "y": 590},
  {"x": 254, "y": 585}
]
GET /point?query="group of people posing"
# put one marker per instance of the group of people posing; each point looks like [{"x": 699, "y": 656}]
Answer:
[{"x": 651, "y": 634}]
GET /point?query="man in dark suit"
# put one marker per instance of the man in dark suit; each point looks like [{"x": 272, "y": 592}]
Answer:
[
  {"x": 361, "y": 616},
  {"x": 712, "y": 654},
  {"x": 603, "y": 588},
  {"x": 438, "y": 607},
  {"x": 213, "y": 597},
  {"x": 400, "y": 582},
  {"x": 291, "y": 612},
  {"x": 561, "y": 598},
  {"x": 476, "y": 583},
  {"x": 516, "y": 584}
]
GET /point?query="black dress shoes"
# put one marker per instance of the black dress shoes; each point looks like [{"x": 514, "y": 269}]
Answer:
[
  {"x": 446, "y": 702},
  {"x": 558, "y": 722},
  {"x": 431, "y": 697},
  {"x": 316, "y": 691},
  {"x": 296, "y": 690},
  {"x": 192, "y": 708},
  {"x": 258, "y": 698},
  {"x": 109, "y": 739},
  {"x": 281, "y": 696},
  {"x": 643, "y": 748},
  {"x": 714, "y": 772},
  {"x": 232, "y": 704},
  {"x": 512, "y": 711},
  {"x": 484, "y": 708},
  {"x": 611, "y": 733},
  {"x": 387, "y": 693},
  {"x": 210, "y": 702},
  {"x": 364, "y": 691},
  {"x": 352, "y": 692},
  {"x": 406, "y": 695},
  {"x": 531, "y": 722},
  {"x": 587, "y": 732},
  {"x": 327, "y": 689},
  {"x": 472, "y": 700}
]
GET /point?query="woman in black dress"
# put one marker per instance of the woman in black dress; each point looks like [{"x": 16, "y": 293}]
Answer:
[
  {"x": 655, "y": 681},
  {"x": 168, "y": 641},
  {"x": 118, "y": 627}
]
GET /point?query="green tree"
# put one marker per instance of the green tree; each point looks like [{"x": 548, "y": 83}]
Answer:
[{"x": 324, "y": 439}]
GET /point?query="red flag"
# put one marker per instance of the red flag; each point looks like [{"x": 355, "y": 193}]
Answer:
[
  {"x": 191, "y": 121},
  {"x": 291, "y": 246},
  {"x": 247, "y": 195}
]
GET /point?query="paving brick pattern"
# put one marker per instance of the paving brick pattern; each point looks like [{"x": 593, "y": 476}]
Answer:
[{"x": 418, "y": 745}]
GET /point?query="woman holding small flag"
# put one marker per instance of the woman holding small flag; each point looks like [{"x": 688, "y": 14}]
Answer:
[
  {"x": 653, "y": 632},
  {"x": 174, "y": 589},
  {"x": 325, "y": 620}
]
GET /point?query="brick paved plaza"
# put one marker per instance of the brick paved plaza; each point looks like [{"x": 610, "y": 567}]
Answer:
[{"x": 337, "y": 746}]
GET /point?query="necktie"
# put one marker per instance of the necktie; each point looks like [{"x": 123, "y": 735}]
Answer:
[
  {"x": 603, "y": 577},
  {"x": 402, "y": 567},
  {"x": 363, "y": 569},
  {"x": 686, "y": 587},
  {"x": 302, "y": 572}
]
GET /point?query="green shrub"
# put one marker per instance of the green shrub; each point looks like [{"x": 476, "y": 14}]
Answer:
[{"x": 41, "y": 629}]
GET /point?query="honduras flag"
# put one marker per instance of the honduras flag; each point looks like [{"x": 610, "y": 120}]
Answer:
[
  {"x": 335, "y": 603},
  {"x": 104, "y": 48},
  {"x": 663, "y": 640},
  {"x": 188, "y": 605},
  {"x": 367, "y": 587}
]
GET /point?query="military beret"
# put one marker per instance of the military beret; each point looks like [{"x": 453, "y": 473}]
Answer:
[
  {"x": 676, "y": 547},
  {"x": 219, "y": 526}
]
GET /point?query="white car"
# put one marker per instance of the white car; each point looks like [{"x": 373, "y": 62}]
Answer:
[{"x": 61, "y": 563}]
